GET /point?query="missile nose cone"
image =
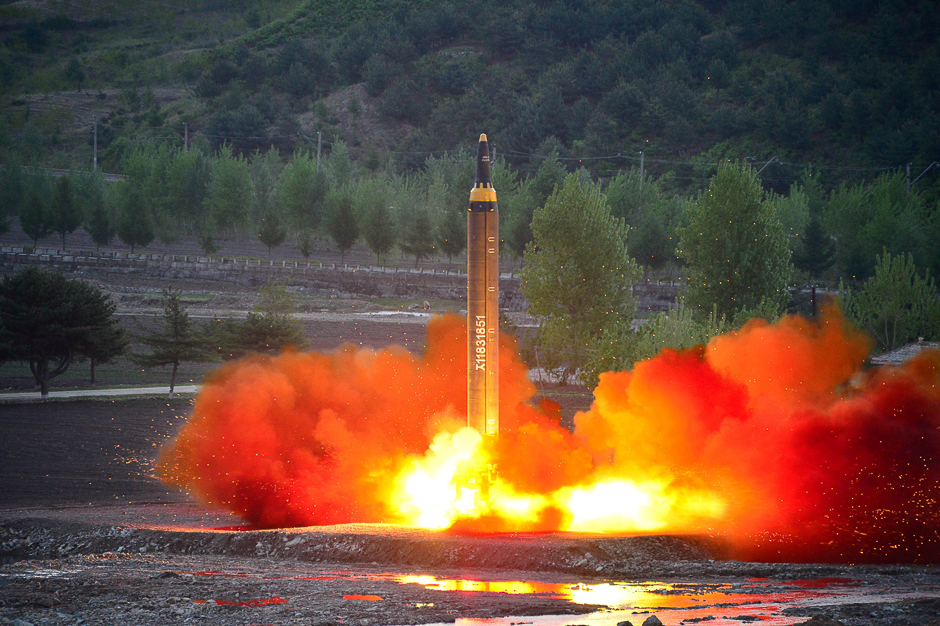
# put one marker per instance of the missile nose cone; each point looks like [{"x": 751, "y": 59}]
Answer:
[{"x": 483, "y": 163}]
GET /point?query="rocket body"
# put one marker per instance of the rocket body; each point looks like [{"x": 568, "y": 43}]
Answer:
[{"x": 483, "y": 300}]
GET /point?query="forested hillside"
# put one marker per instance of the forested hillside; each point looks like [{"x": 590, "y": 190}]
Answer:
[{"x": 834, "y": 103}]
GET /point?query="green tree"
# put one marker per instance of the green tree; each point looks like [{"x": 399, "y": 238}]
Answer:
[
  {"x": 187, "y": 179},
  {"x": 271, "y": 232},
  {"x": 265, "y": 171},
  {"x": 380, "y": 233},
  {"x": 269, "y": 327},
  {"x": 418, "y": 236},
  {"x": 34, "y": 219},
  {"x": 816, "y": 251},
  {"x": 229, "y": 192},
  {"x": 371, "y": 202},
  {"x": 50, "y": 321},
  {"x": 343, "y": 226},
  {"x": 895, "y": 305},
  {"x": 12, "y": 192},
  {"x": 134, "y": 223},
  {"x": 736, "y": 251},
  {"x": 620, "y": 347},
  {"x": 75, "y": 73},
  {"x": 579, "y": 275},
  {"x": 99, "y": 204},
  {"x": 66, "y": 214},
  {"x": 178, "y": 341},
  {"x": 302, "y": 190},
  {"x": 452, "y": 233},
  {"x": 651, "y": 214}
]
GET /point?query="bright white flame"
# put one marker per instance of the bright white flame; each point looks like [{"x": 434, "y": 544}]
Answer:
[
  {"x": 618, "y": 504},
  {"x": 430, "y": 489}
]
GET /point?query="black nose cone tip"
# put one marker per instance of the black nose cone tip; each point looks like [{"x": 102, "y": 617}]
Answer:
[{"x": 483, "y": 162}]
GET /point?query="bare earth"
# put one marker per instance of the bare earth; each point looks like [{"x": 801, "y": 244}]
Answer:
[{"x": 89, "y": 536}]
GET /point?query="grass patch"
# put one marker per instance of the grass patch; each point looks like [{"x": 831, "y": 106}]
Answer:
[{"x": 118, "y": 373}]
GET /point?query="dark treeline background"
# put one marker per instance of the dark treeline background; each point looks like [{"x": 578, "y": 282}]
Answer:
[{"x": 836, "y": 105}]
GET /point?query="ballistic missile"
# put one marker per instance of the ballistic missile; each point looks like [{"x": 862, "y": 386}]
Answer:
[{"x": 483, "y": 300}]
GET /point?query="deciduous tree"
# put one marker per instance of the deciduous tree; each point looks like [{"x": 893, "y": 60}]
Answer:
[
  {"x": 579, "y": 275},
  {"x": 895, "y": 305},
  {"x": 736, "y": 251}
]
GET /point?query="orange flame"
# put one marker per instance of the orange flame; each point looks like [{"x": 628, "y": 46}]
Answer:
[{"x": 773, "y": 436}]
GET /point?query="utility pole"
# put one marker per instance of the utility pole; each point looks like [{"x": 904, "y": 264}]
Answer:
[
  {"x": 319, "y": 148},
  {"x": 95, "y": 158},
  {"x": 908, "y": 178},
  {"x": 185, "y": 137}
]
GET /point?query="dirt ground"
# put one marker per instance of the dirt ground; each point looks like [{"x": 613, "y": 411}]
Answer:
[{"x": 89, "y": 536}]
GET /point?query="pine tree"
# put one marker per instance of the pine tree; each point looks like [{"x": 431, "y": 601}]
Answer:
[
  {"x": 50, "y": 321},
  {"x": 271, "y": 232},
  {"x": 66, "y": 213},
  {"x": 344, "y": 228},
  {"x": 178, "y": 341},
  {"x": 816, "y": 252}
]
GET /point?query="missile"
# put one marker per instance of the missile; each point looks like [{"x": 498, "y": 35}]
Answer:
[{"x": 483, "y": 300}]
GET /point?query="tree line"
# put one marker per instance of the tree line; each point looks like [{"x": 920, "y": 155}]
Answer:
[
  {"x": 51, "y": 322},
  {"x": 742, "y": 250},
  {"x": 740, "y": 247},
  {"x": 834, "y": 232}
]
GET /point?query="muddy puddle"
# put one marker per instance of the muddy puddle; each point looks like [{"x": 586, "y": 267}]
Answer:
[{"x": 753, "y": 600}]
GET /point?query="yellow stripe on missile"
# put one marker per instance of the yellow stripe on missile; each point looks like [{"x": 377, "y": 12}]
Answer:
[{"x": 483, "y": 194}]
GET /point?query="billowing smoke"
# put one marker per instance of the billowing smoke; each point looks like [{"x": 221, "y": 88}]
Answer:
[{"x": 773, "y": 437}]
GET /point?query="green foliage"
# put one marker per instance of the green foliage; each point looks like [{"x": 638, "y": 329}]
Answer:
[
  {"x": 379, "y": 228},
  {"x": 895, "y": 305},
  {"x": 134, "y": 223},
  {"x": 35, "y": 219},
  {"x": 736, "y": 251},
  {"x": 177, "y": 341},
  {"x": 343, "y": 225},
  {"x": 266, "y": 170},
  {"x": 452, "y": 233},
  {"x": 302, "y": 190},
  {"x": 66, "y": 214},
  {"x": 619, "y": 347},
  {"x": 271, "y": 231},
  {"x": 269, "y": 328},
  {"x": 650, "y": 212},
  {"x": 229, "y": 192},
  {"x": 579, "y": 276},
  {"x": 50, "y": 321},
  {"x": 816, "y": 251},
  {"x": 417, "y": 235}
]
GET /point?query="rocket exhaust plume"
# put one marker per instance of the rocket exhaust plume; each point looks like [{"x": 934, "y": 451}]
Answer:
[{"x": 773, "y": 437}]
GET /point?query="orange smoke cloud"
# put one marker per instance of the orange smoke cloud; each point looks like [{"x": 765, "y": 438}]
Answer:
[{"x": 772, "y": 436}]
